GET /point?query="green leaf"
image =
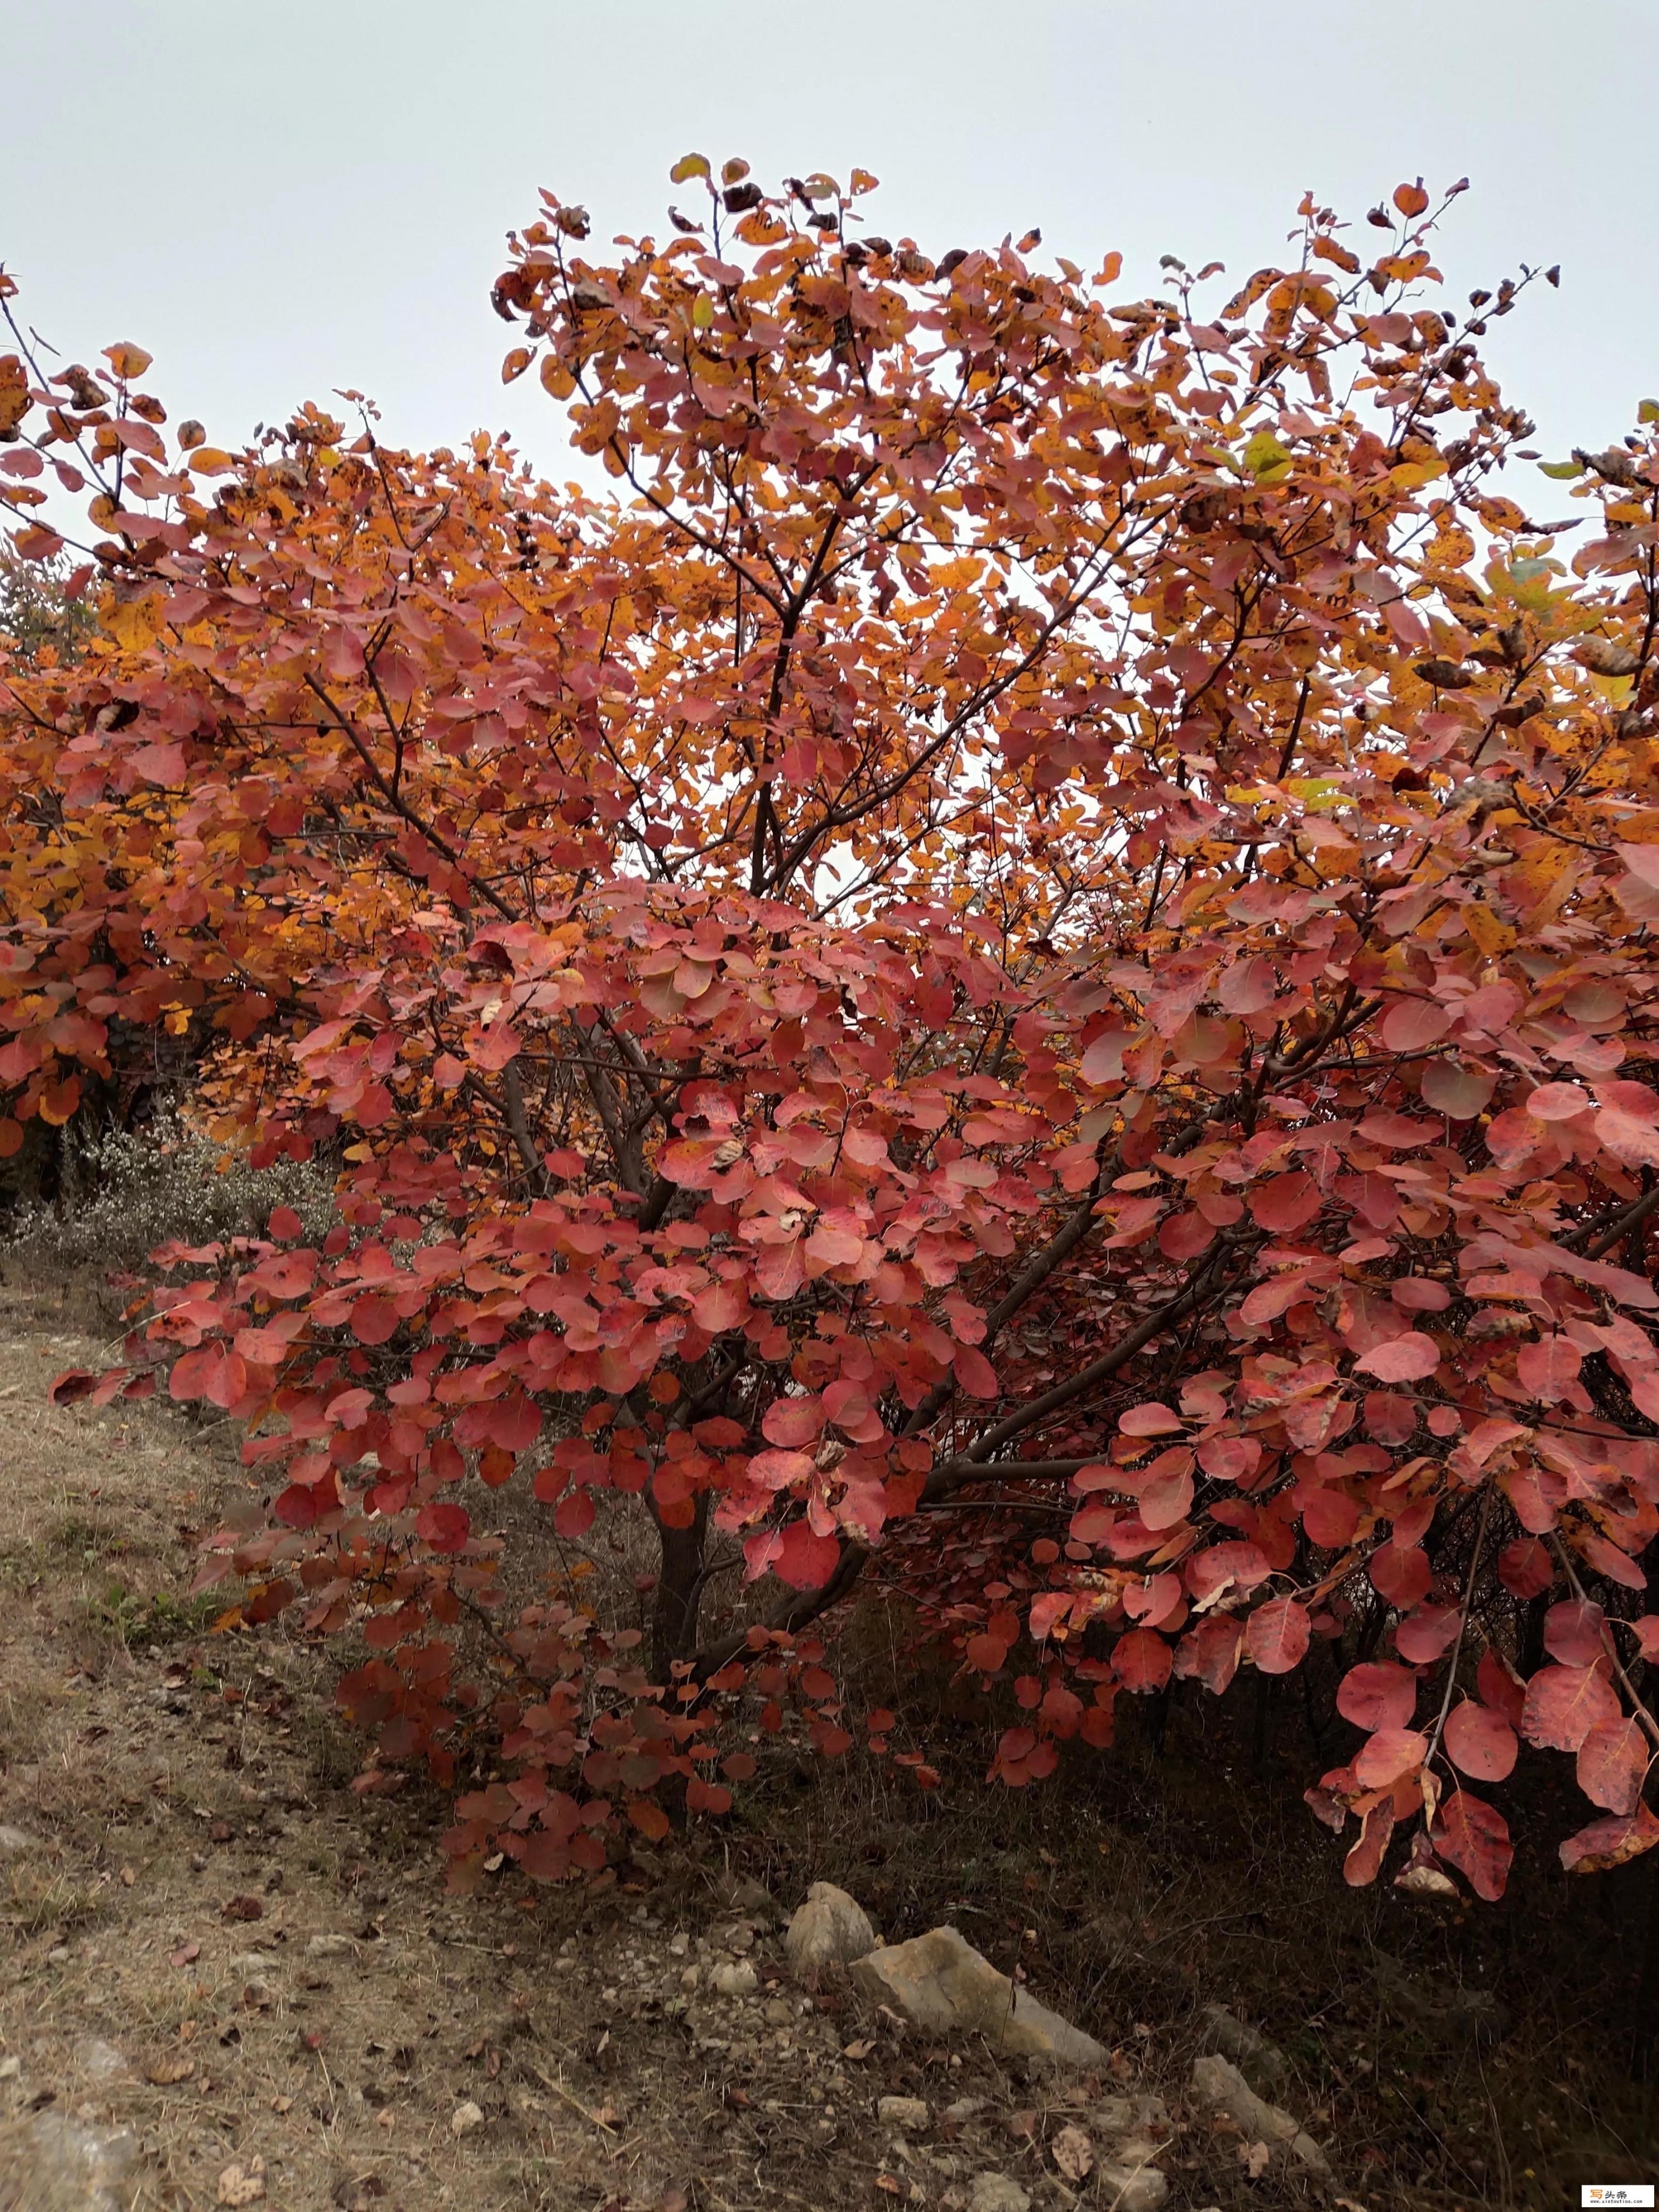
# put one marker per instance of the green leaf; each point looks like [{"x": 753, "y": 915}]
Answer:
[
  {"x": 702, "y": 310},
  {"x": 688, "y": 165},
  {"x": 1561, "y": 469}
]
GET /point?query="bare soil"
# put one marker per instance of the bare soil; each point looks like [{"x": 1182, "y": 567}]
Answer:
[{"x": 209, "y": 1941}]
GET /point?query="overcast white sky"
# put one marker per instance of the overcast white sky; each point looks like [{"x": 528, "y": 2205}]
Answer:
[{"x": 280, "y": 199}]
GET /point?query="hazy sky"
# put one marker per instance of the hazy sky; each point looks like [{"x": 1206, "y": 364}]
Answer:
[{"x": 281, "y": 199}]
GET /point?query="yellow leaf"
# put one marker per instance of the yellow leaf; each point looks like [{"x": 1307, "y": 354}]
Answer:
[
  {"x": 516, "y": 364},
  {"x": 863, "y": 182},
  {"x": 556, "y": 378},
  {"x": 702, "y": 310},
  {"x": 210, "y": 461},
  {"x": 128, "y": 361},
  {"x": 1409, "y": 474},
  {"x": 1267, "y": 460},
  {"x": 134, "y": 622},
  {"x": 1491, "y": 935},
  {"x": 688, "y": 166}
]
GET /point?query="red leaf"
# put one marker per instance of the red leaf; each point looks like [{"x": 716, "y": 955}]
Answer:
[
  {"x": 1390, "y": 1753},
  {"x": 1425, "y": 1634},
  {"x": 446, "y": 1528},
  {"x": 1500, "y": 1688},
  {"x": 374, "y": 1321},
  {"x": 1286, "y": 1202},
  {"x": 792, "y": 1422},
  {"x": 1525, "y": 1567},
  {"x": 1608, "y": 1844},
  {"x": 1479, "y": 1743},
  {"x": 1276, "y": 1636},
  {"x": 1474, "y": 1838},
  {"x": 1404, "y": 1358},
  {"x": 974, "y": 1372},
  {"x": 1399, "y": 1572},
  {"x": 805, "y": 1561},
  {"x": 1228, "y": 1459},
  {"x": 1412, "y": 1024},
  {"x": 649, "y": 1819},
  {"x": 1376, "y": 1694},
  {"x": 1210, "y": 1651},
  {"x": 573, "y": 1515},
  {"x": 1548, "y": 1369},
  {"x": 1143, "y": 1661},
  {"x": 1365, "y": 1862},
  {"x": 1575, "y": 1632},
  {"x": 1564, "y": 1703},
  {"x": 1612, "y": 1764},
  {"x": 1150, "y": 1420},
  {"x": 1184, "y": 1236},
  {"x": 1558, "y": 1102},
  {"x": 1164, "y": 1499},
  {"x": 75, "y": 1382},
  {"x": 1458, "y": 1093}
]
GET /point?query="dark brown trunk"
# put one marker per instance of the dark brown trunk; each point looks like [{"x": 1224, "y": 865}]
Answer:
[{"x": 679, "y": 1604}]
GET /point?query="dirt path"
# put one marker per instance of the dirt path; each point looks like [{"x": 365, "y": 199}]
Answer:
[{"x": 238, "y": 1977}]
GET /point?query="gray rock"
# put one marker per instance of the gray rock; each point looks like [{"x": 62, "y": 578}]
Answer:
[
  {"x": 908, "y": 2114},
  {"x": 1130, "y": 2187},
  {"x": 735, "y": 1977},
  {"x": 1261, "y": 2062},
  {"x": 69, "y": 2167},
  {"x": 100, "y": 2059},
  {"x": 940, "y": 1983},
  {"x": 963, "y": 2109},
  {"x": 830, "y": 1929},
  {"x": 996, "y": 2192},
  {"x": 13, "y": 1841},
  {"x": 330, "y": 1946},
  {"x": 1219, "y": 2087},
  {"x": 1130, "y": 2116}
]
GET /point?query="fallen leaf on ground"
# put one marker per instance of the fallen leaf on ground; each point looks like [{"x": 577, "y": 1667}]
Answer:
[
  {"x": 243, "y": 2184},
  {"x": 1075, "y": 2155}
]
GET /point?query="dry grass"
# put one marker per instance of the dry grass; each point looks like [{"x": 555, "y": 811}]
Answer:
[{"x": 165, "y": 1771}]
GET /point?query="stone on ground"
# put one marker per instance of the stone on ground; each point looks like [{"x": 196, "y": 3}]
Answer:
[
  {"x": 908, "y": 2114},
  {"x": 1219, "y": 2085},
  {"x": 996, "y": 2192},
  {"x": 1262, "y": 2063},
  {"x": 73, "y": 2167},
  {"x": 940, "y": 1983},
  {"x": 829, "y": 1929},
  {"x": 1130, "y": 2188}
]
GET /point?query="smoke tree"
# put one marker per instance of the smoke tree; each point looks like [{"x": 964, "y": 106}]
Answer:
[{"x": 1021, "y": 969}]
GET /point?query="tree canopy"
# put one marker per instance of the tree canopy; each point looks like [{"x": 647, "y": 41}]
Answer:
[{"x": 1021, "y": 968}]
